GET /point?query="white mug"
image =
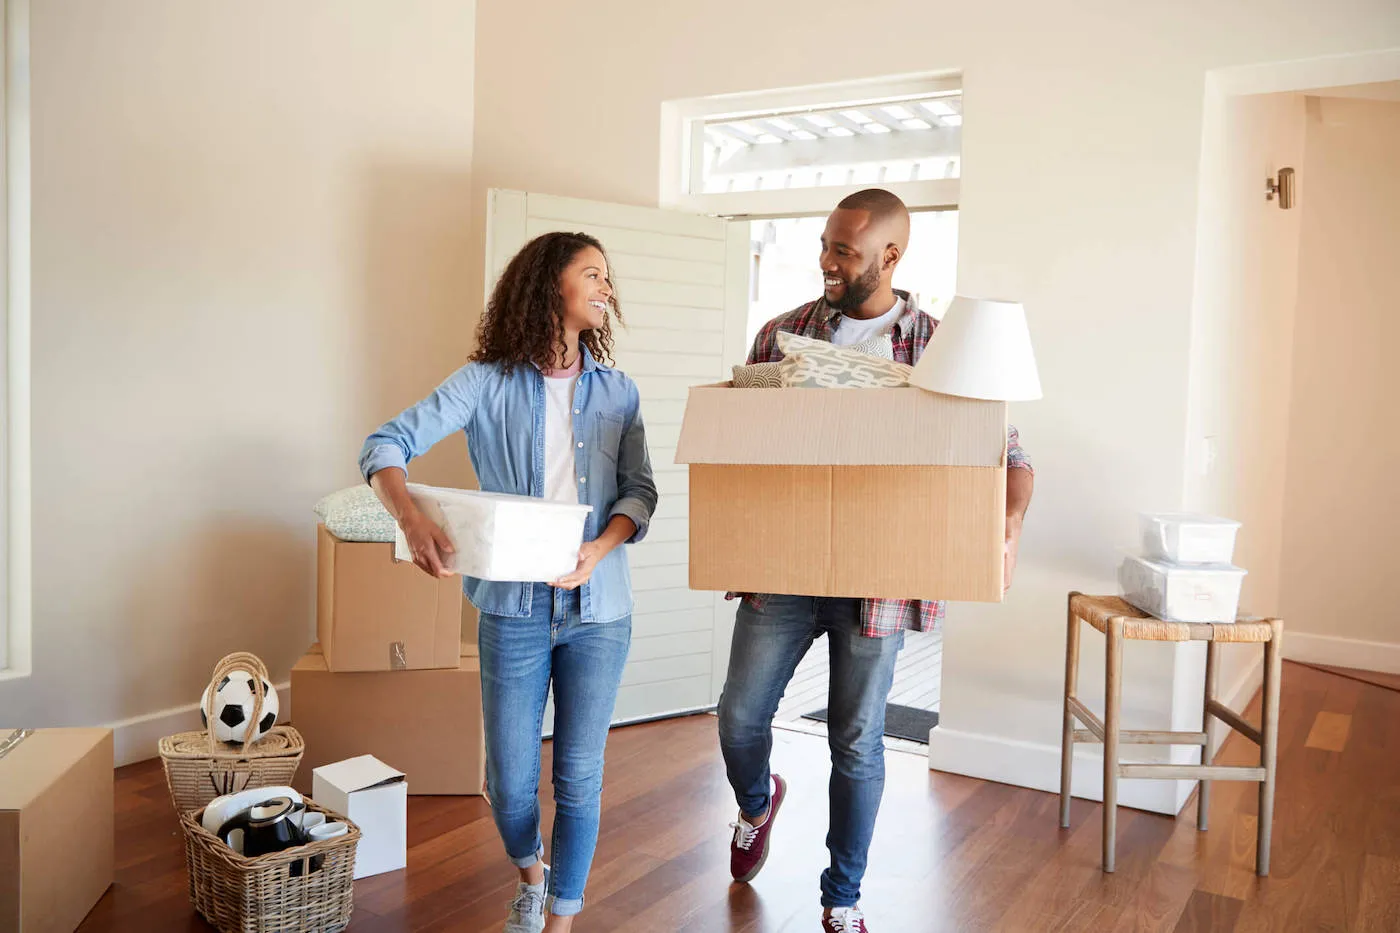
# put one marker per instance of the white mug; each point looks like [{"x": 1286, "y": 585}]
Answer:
[
  {"x": 309, "y": 819},
  {"x": 327, "y": 831}
]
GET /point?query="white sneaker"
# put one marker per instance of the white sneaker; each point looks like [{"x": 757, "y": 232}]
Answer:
[
  {"x": 844, "y": 920},
  {"x": 527, "y": 908}
]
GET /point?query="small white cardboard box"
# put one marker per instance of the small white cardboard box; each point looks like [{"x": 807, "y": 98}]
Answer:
[{"x": 375, "y": 798}]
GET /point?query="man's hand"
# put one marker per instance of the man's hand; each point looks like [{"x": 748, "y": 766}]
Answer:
[
  {"x": 588, "y": 557},
  {"x": 429, "y": 544},
  {"x": 1013, "y": 544}
]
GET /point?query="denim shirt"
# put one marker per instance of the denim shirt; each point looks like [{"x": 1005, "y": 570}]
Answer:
[{"x": 503, "y": 417}]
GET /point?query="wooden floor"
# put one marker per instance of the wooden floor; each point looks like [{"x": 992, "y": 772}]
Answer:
[
  {"x": 950, "y": 853},
  {"x": 1379, "y": 678},
  {"x": 918, "y": 681}
]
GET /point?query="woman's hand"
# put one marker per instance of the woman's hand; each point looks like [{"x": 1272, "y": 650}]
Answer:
[
  {"x": 431, "y": 548},
  {"x": 620, "y": 528},
  {"x": 588, "y": 557}
]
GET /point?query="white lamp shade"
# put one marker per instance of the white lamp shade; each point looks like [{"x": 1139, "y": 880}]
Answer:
[{"x": 981, "y": 349}]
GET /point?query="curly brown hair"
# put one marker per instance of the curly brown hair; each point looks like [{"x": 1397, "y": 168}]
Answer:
[{"x": 524, "y": 320}]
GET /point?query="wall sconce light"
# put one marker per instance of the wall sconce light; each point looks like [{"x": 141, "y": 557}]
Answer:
[{"x": 1283, "y": 187}]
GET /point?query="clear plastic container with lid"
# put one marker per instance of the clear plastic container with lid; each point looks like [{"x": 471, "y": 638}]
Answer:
[
  {"x": 1182, "y": 592},
  {"x": 1188, "y": 538}
]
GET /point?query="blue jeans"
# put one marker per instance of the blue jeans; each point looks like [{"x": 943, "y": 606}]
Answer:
[
  {"x": 768, "y": 644},
  {"x": 519, "y": 658}
]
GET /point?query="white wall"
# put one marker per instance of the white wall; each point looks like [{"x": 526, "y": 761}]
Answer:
[
  {"x": 1081, "y": 159},
  {"x": 250, "y": 227},
  {"x": 1339, "y": 555},
  {"x": 1241, "y": 355}
]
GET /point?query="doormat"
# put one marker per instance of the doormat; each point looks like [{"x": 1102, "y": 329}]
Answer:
[{"x": 901, "y": 722}]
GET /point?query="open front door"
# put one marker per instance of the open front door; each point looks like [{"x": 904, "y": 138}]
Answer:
[{"x": 682, "y": 282}]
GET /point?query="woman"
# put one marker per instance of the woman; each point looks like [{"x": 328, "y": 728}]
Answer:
[{"x": 543, "y": 417}]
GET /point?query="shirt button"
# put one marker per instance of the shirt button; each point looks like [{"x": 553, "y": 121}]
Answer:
[
  {"x": 582, "y": 479},
  {"x": 580, "y": 443},
  {"x": 577, "y": 412}
]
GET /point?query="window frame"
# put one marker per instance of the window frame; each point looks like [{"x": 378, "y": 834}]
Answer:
[
  {"x": 682, "y": 140},
  {"x": 16, "y": 608}
]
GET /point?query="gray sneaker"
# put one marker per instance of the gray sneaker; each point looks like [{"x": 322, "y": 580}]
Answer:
[{"x": 527, "y": 908}]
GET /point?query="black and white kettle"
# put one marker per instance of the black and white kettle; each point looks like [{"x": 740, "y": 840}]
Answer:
[{"x": 267, "y": 826}]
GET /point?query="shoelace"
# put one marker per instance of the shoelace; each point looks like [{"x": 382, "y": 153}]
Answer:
[
  {"x": 528, "y": 902},
  {"x": 744, "y": 834},
  {"x": 847, "y": 920}
]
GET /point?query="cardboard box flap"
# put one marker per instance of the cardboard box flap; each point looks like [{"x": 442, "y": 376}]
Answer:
[
  {"x": 840, "y": 427},
  {"x": 32, "y": 763},
  {"x": 362, "y": 773}
]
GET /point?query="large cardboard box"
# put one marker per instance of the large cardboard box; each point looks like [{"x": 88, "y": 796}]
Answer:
[
  {"x": 894, "y": 493},
  {"x": 375, "y": 798},
  {"x": 375, "y": 613},
  {"x": 56, "y": 802},
  {"x": 425, "y": 723}
]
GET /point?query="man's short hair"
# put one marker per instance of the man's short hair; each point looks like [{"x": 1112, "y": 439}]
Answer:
[{"x": 880, "y": 203}]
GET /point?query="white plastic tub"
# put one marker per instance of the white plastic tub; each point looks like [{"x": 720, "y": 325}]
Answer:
[
  {"x": 1186, "y": 538},
  {"x": 1182, "y": 593},
  {"x": 502, "y": 537}
]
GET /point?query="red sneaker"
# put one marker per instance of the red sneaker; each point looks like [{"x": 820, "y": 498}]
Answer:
[
  {"x": 749, "y": 848},
  {"x": 844, "y": 920}
]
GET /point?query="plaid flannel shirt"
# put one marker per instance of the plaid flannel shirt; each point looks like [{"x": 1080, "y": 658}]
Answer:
[{"x": 911, "y": 334}]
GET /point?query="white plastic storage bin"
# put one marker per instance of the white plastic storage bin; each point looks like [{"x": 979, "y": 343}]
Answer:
[
  {"x": 502, "y": 537},
  {"x": 1182, "y": 593},
  {"x": 1185, "y": 538}
]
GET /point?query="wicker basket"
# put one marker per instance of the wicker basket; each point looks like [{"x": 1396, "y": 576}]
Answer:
[
  {"x": 198, "y": 767},
  {"x": 306, "y": 889}
]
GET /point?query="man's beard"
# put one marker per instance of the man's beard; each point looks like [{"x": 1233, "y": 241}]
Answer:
[{"x": 856, "y": 293}]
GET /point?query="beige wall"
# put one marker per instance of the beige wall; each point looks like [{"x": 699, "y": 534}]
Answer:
[
  {"x": 250, "y": 227},
  {"x": 1242, "y": 341},
  {"x": 1340, "y": 553},
  {"x": 1081, "y": 154}
]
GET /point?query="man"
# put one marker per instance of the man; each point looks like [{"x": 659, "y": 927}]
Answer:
[{"x": 864, "y": 240}]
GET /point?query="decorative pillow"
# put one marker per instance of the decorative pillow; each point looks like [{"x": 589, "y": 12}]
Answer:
[
  {"x": 758, "y": 376},
  {"x": 816, "y": 364},
  {"x": 881, "y": 345},
  {"x": 356, "y": 514}
]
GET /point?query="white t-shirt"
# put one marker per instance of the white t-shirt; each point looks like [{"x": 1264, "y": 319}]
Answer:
[
  {"x": 851, "y": 330},
  {"x": 560, "y": 482}
]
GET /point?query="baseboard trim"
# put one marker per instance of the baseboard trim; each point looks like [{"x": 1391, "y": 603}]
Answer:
[
  {"x": 136, "y": 739},
  {"x": 1335, "y": 651},
  {"x": 1037, "y": 766}
]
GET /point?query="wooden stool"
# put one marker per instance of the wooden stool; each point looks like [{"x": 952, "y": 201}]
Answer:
[{"x": 1118, "y": 620}]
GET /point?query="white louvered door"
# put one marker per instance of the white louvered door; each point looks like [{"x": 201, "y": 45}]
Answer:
[{"x": 682, "y": 283}]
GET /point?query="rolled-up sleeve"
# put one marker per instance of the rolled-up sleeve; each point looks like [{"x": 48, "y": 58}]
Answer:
[
  {"x": 448, "y": 410},
  {"x": 1016, "y": 458},
  {"x": 636, "y": 489}
]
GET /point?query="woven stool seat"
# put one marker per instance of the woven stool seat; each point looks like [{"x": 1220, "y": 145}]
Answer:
[{"x": 1098, "y": 610}]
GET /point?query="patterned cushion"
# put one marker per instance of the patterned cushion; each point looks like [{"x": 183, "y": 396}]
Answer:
[
  {"x": 808, "y": 363},
  {"x": 757, "y": 376},
  {"x": 881, "y": 345},
  {"x": 356, "y": 514}
]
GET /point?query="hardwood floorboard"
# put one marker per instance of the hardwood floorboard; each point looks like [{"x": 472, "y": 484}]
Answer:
[
  {"x": 1208, "y": 913},
  {"x": 950, "y": 854}
]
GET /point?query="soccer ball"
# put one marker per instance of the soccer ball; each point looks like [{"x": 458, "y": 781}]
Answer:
[{"x": 233, "y": 708}]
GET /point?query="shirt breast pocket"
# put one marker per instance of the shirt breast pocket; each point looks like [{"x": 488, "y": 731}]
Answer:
[{"x": 607, "y": 432}]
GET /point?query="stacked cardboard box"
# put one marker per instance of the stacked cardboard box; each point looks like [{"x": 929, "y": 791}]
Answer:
[{"x": 390, "y": 675}]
